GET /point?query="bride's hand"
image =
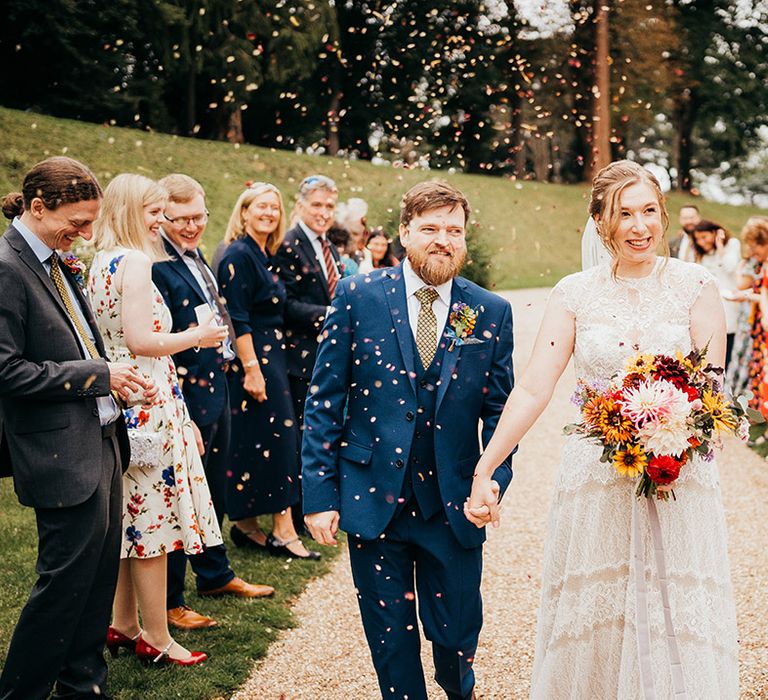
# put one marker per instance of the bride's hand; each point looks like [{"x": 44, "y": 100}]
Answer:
[{"x": 482, "y": 506}]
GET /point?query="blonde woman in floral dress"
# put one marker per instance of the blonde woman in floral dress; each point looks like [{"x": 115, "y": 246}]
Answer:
[
  {"x": 167, "y": 506},
  {"x": 619, "y": 616}
]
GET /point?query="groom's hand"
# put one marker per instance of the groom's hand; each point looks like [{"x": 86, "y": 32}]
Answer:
[
  {"x": 482, "y": 506},
  {"x": 323, "y": 526}
]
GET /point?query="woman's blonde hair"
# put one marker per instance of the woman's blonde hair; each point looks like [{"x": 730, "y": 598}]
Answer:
[
  {"x": 236, "y": 227},
  {"x": 605, "y": 202},
  {"x": 755, "y": 231},
  {"x": 121, "y": 221}
]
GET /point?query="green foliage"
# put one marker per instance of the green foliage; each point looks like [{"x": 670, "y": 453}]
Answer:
[{"x": 529, "y": 231}]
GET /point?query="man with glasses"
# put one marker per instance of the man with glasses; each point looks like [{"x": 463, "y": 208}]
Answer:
[
  {"x": 309, "y": 265},
  {"x": 186, "y": 283}
]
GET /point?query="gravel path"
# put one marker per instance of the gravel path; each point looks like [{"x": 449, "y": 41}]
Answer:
[{"x": 326, "y": 656}]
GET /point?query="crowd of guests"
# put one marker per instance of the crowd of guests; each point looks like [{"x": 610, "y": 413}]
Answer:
[
  {"x": 739, "y": 266},
  {"x": 201, "y": 368}
]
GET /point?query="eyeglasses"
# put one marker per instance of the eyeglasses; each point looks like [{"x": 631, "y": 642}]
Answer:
[{"x": 198, "y": 220}]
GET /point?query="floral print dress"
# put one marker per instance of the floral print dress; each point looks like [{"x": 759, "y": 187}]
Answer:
[{"x": 168, "y": 507}]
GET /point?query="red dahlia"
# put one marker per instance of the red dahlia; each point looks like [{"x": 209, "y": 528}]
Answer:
[
  {"x": 664, "y": 469},
  {"x": 670, "y": 369}
]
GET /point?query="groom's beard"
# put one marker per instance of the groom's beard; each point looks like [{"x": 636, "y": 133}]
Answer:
[{"x": 433, "y": 269}]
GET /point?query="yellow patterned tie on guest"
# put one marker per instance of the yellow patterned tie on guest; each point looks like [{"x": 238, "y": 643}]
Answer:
[
  {"x": 426, "y": 326},
  {"x": 58, "y": 281}
]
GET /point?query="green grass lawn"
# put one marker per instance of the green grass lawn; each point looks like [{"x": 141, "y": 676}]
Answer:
[
  {"x": 246, "y": 627},
  {"x": 532, "y": 231}
]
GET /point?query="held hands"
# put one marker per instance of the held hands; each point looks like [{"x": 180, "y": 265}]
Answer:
[
  {"x": 126, "y": 380},
  {"x": 150, "y": 394},
  {"x": 482, "y": 506},
  {"x": 323, "y": 526}
]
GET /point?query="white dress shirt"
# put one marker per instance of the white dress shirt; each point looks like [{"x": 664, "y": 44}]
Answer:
[
  {"x": 440, "y": 306},
  {"x": 108, "y": 410},
  {"x": 317, "y": 245},
  {"x": 227, "y": 352}
]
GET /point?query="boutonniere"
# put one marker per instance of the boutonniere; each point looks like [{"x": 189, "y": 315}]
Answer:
[
  {"x": 76, "y": 268},
  {"x": 461, "y": 325}
]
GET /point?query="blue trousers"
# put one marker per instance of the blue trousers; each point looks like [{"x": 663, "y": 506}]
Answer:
[
  {"x": 211, "y": 567},
  {"x": 417, "y": 558}
]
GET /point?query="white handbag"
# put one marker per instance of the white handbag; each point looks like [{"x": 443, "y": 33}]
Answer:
[{"x": 146, "y": 449}]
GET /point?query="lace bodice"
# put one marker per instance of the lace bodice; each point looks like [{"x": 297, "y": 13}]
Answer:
[{"x": 616, "y": 318}]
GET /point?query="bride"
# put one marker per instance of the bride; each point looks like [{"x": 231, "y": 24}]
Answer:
[{"x": 612, "y": 622}]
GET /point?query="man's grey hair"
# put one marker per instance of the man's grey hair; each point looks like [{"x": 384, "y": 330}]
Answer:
[{"x": 316, "y": 182}]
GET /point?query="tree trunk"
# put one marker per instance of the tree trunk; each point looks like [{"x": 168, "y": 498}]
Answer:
[
  {"x": 601, "y": 105},
  {"x": 235, "y": 128},
  {"x": 190, "y": 100},
  {"x": 685, "y": 118}
]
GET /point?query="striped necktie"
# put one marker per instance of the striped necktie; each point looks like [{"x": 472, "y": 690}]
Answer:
[{"x": 330, "y": 266}]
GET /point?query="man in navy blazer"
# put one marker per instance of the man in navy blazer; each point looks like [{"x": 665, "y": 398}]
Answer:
[
  {"x": 186, "y": 282},
  {"x": 412, "y": 359},
  {"x": 309, "y": 265}
]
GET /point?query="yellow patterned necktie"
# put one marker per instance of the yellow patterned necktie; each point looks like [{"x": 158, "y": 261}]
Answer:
[
  {"x": 58, "y": 281},
  {"x": 426, "y": 326}
]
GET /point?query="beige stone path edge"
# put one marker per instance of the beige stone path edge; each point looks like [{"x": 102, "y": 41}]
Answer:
[{"x": 326, "y": 657}]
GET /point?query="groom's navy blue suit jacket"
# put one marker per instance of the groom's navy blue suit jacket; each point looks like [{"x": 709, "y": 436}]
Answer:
[{"x": 359, "y": 420}]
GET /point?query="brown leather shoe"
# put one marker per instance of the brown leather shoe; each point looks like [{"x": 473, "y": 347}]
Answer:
[
  {"x": 187, "y": 619},
  {"x": 241, "y": 589}
]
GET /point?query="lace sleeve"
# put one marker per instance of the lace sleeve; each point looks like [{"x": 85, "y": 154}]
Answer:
[
  {"x": 691, "y": 279},
  {"x": 573, "y": 289}
]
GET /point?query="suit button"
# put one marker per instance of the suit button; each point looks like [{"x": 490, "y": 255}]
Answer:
[
  {"x": 423, "y": 383},
  {"x": 95, "y": 412},
  {"x": 409, "y": 415},
  {"x": 399, "y": 463}
]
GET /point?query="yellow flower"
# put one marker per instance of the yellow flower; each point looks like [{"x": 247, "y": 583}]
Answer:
[
  {"x": 631, "y": 461},
  {"x": 717, "y": 406},
  {"x": 612, "y": 424},
  {"x": 641, "y": 364},
  {"x": 686, "y": 363}
]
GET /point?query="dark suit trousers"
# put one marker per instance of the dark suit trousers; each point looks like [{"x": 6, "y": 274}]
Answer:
[
  {"x": 447, "y": 584},
  {"x": 211, "y": 567},
  {"x": 62, "y": 629}
]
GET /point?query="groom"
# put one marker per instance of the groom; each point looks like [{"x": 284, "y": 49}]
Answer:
[{"x": 391, "y": 441}]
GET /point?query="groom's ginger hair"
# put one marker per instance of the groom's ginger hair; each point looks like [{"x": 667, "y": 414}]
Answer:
[{"x": 434, "y": 194}]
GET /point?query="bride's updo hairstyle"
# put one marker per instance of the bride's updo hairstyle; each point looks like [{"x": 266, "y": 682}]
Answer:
[{"x": 604, "y": 205}]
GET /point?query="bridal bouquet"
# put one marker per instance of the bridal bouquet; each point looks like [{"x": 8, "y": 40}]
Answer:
[{"x": 656, "y": 415}]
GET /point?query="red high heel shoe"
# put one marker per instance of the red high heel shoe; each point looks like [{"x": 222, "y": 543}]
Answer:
[
  {"x": 148, "y": 654},
  {"x": 116, "y": 639}
]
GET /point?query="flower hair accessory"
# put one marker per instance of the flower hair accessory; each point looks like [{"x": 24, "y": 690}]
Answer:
[
  {"x": 76, "y": 268},
  {"x": 461, "y": 322}
]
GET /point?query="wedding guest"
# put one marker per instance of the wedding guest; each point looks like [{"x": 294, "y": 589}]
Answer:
[
  {"x": 61, "y": 434},
  {"x": 680, "y": 245},
  {"x": 381, "y": 250},
  {"x": 263, "y": 461},
  {"x": 755, "y": 237},
  {"x": 187, "y": 283},
  {"x": 345, "y": 247},
  {"x": 309, "y": 267},
  {"x": 166, "y": 502},
  {"x": 714, "y": 248},
  {"x": 351, "y": 215}
]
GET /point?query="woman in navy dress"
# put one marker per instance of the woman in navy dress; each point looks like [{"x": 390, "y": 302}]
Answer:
[{"x": 265, "y": 436}]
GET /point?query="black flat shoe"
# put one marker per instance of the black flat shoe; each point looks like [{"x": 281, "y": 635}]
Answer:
[
  {"x": 241, "y": 539},
  {"x": 280, "y": 549}
]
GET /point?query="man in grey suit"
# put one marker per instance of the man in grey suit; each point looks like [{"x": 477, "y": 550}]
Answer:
[{"x": 63, "y": 436}]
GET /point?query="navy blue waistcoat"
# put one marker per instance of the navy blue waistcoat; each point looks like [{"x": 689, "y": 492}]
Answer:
[{"x": 421, "y": 476}]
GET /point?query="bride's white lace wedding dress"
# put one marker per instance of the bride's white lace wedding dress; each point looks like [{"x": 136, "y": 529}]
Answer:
[{"x": 587, "y": 644}]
